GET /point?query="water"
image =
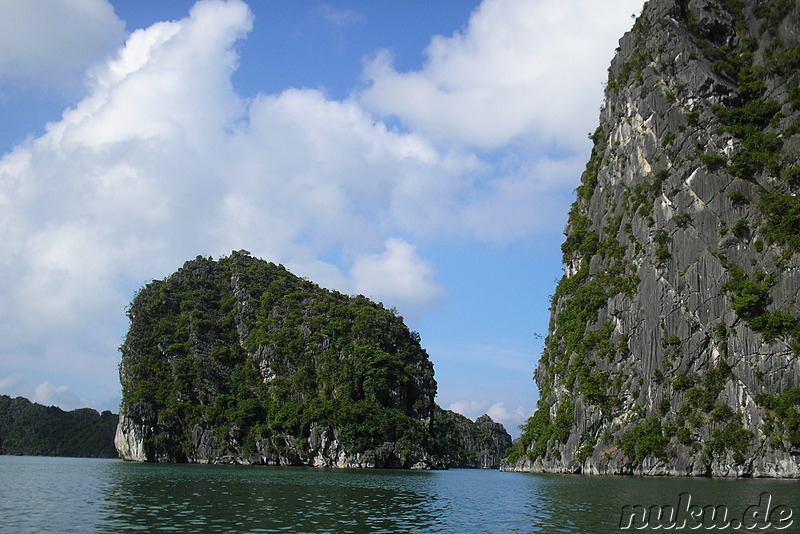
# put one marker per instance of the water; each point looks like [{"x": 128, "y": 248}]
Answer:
[{"x": 83, "y": 495}]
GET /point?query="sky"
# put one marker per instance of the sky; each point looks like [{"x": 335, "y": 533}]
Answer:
[{"x": 424, "y": 154}]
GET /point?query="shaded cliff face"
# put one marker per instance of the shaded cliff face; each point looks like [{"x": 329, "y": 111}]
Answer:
[
  {"x": 675, "y": 333},
  {"x": 237, "y": 360},
  {"x": 463, "y": 443}
]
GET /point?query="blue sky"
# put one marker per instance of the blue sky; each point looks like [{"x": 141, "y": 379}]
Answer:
[{"x": 422, "y": 153}]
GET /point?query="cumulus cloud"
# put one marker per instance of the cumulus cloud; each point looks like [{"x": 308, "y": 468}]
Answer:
[
  {"x": 520, "y": 68},
  {"x": 162, "y": 160},
  {"x": 326, "y": 170},
  {"x": 521, "y": 85},
  {"x": 527, "y": 201},
  {"x": 49, "y": 45},
  {"x": 469, "y": 408},
  {"x": 397, "y": 273},
  {"x": 499, "y": 412},
  {"x": 51, "y": 395}
]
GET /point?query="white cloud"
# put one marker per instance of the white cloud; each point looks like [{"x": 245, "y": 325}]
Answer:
[
  {"x": 527, "y": 201},
  {"x": 470, "y": 408},
  {"x": 499, "y": 412},
  {"x": 305, "y": 165},
  {"x": 521, "y": 84},
  {"x": 114, "y": 194},
  {"x": 51, "y": 395},
  {"x": 49, "y": 45},
  {"x": 340, "y": 17},
  {"x": 162, "y": 161},
  {"x": 96, "y": 201},
  {"x": 520, "y": 68},
  {"x": 396, "y": 274}
]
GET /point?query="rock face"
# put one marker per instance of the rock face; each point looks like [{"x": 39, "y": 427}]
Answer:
[
  {"x": 239, "y": 361},
  {"x": 464, "y": 443},
  {"x": 674, "y": 337}
]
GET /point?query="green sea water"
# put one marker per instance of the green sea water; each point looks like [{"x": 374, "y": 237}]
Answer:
[{"x": 62, "y": 495}]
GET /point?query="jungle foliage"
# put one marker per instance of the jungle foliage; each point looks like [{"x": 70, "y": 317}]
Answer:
[
  {"x": 243, "y": 346},
  {"x": 31, "y": 429}
]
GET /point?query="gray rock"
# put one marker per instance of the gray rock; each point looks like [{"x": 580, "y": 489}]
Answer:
[
  {"x": 664, "y": 376},
  {"x": 467, "y": 444}
]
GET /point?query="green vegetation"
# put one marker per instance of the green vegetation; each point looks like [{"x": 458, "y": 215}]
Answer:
[
  {"x": 750, "y": 298},
  {"x": 747, "y": 115},
  {"x": 733, "y": 436},
  {"x": 540, "y": 433},
  {"x": 754, "y": 121},
  {"x": 576, "y": 333},
  {"x": 791, "y": 175},
  {"x": 714, "y": 162},
  {"x": 782, "y": 224},
  {"x": 662, "y": 240},
  {"x": 645, "y": 440},
  {"x": 682, "y": 219},
  {"x": 589, "y": 178},
  {"x": 585, "y": 451},
  {"x": 242, "y": 346},
  {"x": 783, "y": 418},
  {"x": 683, "y": 380},
  {"x": 741, "y": 229},
  {"x": 672, "y": 347},
  {"x": 580, "y": 239},
  {"x": 726, "y": 432},
  {"x": 27, "y": 428},
  {"x": 773, "y": 13},
  {"x": 639, "y": 199},
  {"x": 738, "y": 198},
  {"x": 757, "y": 161},
  {"x": 464, "y": 443},
  {"x": 704, "y": 395},
  {"x": 640, "y": 58},
  {"x": 760, "y": 150}
]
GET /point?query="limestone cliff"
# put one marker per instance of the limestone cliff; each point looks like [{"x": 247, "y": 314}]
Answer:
[
  {"x": 464, "y": 443},
  {"x": 674, "y": 337},
  {"x": 239, "y": 361}
]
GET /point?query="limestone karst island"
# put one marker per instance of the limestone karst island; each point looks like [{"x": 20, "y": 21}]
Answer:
[
  {"x": 674, "y": 337},
  {"x": 240, "y": 361}
]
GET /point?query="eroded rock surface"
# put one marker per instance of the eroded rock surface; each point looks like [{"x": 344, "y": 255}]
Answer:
[{"x": 674, "y": 338}]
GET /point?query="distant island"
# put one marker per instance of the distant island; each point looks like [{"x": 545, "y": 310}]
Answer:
[
  {"x": 237, "y": 360},
  {"x": 31, "y": 429}
]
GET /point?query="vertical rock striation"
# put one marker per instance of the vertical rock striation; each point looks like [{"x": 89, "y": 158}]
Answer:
[{"x": 675, "y": 333}]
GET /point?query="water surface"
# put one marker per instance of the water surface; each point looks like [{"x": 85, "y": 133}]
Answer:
[{"x": 84, "y": 495}]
